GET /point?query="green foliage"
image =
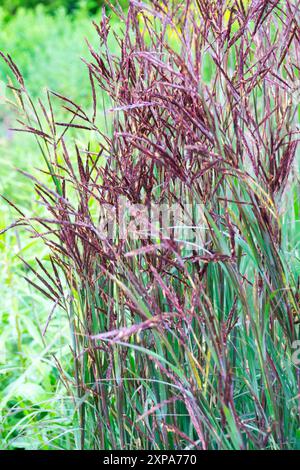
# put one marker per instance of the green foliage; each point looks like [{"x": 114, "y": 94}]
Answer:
[
  {"x": 48, "y": 49},
  {"x": 51, "y": 6},
  {"x": 190, "y": 349},
  {"x": 11, "y": 6},
  {"x": 35, "y": 407}
]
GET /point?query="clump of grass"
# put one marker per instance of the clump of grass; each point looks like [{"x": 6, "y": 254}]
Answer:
[{"x": 178, "y": 342}]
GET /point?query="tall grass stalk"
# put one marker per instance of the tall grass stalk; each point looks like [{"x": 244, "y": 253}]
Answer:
[{"x": 178, "y": 343}]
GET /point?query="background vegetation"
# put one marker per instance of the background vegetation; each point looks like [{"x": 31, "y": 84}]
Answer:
[
  {"x": 34, "y": 408},
  {"x": 220, "y": 375},
  {"x": 91, "y": 7}
]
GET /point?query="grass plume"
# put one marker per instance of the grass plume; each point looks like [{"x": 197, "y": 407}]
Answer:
[{"x": 178, "y": 343}]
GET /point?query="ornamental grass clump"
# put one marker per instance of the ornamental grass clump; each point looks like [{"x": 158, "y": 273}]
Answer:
[{"x": 170, "y": 214}]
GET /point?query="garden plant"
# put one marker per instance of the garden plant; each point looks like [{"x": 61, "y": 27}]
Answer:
[{"x": 169, "y": 214}]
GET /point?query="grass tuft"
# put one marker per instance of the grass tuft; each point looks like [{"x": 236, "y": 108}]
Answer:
[{"x": 180, "y": 339}]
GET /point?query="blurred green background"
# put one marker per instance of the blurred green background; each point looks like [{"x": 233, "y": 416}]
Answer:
[
  {"x": 47, "y": 41},
  {"x": 51, "y": 6}
]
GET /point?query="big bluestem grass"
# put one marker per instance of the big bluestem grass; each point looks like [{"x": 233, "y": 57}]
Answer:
[{"x": 178, "y": 343}]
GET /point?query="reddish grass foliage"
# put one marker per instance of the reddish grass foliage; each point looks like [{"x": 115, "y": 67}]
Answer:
[{"x": 176, "y": 342}]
